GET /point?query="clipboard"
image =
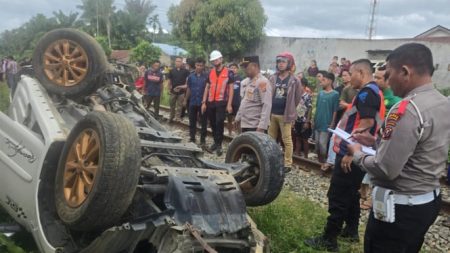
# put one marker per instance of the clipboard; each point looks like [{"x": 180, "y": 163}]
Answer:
[{"x": 346, "y": 137}]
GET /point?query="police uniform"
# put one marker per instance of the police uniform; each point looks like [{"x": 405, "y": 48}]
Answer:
[
  {"x": 256, "y": 104},
  {"x": 411, "y": 156}
]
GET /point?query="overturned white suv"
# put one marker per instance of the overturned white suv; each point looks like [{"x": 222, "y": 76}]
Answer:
[{"x": 85, "y": 168}]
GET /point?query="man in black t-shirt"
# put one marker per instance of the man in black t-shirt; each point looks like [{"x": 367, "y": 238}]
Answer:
[
  {"x": 366, "y": 113},
  {"x": 177, "y": 88}
]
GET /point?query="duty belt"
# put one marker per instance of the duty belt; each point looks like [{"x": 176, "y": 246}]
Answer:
[{"x": 413, "y": 200}]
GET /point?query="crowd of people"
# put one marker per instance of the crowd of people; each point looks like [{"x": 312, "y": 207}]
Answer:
[
  {"x": 403, "y": 123},
  {"x": 8, "y": 69}
]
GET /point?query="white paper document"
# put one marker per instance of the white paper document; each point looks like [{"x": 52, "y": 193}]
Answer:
[{"x": 346, "y": 137}]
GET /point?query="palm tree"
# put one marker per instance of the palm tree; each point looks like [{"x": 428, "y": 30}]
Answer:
[
  {"x": 154, "y": 22},
  {"x": 95, "y": 11},
  {"x": 64, "y": 20}
]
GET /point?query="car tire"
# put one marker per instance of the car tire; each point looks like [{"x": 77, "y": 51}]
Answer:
[
  {"x": 265, "y": 154},
  {"x": 98, "y": 171},
  {"x": 69, "y": 62}
]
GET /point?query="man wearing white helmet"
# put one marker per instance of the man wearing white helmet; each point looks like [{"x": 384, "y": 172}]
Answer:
[{"x": 217, "y": 99}]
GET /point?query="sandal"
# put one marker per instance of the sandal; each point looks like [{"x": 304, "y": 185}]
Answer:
[
  {"x": 326, "y": 167},
  {"x": 366, "y": 204}
]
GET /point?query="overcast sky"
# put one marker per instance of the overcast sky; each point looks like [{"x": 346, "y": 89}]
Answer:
[{"x": 291, "y": 18}]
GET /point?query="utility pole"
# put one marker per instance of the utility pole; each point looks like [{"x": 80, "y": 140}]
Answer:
[
  {"x": 96, "y": 2},
  {"x": 372, "y": 23}
]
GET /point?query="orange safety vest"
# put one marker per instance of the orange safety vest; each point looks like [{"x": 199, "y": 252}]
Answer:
[
  {"x": 218, "y": 85},
  {"x": 351, "y": 120}
]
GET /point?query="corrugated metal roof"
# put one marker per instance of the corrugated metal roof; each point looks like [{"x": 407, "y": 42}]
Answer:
[{"x": 171, "y": 50}]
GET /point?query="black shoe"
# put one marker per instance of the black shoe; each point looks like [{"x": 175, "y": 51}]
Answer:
[
  {"x": 212, "y": 148},
  {"x": 322, "y": 243},
  {"x": 287, "y": 170},
  {"x": 219, "y": 151},
  {"x": 350, "y": 236}
]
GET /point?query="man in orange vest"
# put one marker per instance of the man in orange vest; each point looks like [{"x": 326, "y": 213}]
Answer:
[
  {"x": 366, "y": 112},
  {"x": 217, "y": 99}
]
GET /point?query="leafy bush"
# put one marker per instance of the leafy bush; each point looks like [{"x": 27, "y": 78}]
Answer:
[{"x": 145, "y": 53}]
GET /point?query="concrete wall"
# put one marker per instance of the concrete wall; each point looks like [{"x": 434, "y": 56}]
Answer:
[{"x": 322, "y": 50}]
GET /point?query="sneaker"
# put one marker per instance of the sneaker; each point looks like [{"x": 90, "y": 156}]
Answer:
[
  {"x": 212, "y": 148},
  {"x": 322, "y": 243},
  {"x": 219, "y": 151}
]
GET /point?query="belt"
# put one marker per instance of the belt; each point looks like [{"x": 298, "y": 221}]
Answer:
[{"x": 413, "y": 200}]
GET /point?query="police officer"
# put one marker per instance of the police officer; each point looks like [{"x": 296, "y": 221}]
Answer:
[
  {"x": 411, "y": 154},
  {"x": 256, "y": 104}
]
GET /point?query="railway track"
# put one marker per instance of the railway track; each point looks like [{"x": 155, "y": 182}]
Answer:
[{"x": 302, "y": 163}]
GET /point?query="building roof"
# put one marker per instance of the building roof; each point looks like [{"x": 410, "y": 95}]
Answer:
[
  {"x": 437, "y": 31},
  {"x": 171, "y": 50}
]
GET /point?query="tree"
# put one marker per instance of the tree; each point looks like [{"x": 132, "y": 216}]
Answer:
[
  {"x": 181, "y": 17},
  {"x": 155, "y": 24},
  {"x": 145, "y": 53},
  {"x": 232, "y": 26},
  {"x": 98, "y": 12},
  {"x": 103, "y": 41},
  {"x": 65, "y": 21}
]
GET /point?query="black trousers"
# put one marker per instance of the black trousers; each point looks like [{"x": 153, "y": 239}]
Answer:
[
  {"x": 216, "y": 115},
  {"x": 343, "y": 200},
  {"x": 195, "y": 112},
  {"x": 406, "y": 234},
  {"x": 148, "y": 100}
]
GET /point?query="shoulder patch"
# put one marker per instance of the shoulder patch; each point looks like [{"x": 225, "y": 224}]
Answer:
[
  {"x": 391, "y": 123},
  {"x": 263, "y": 86},
  {"x": 362, "y": 96}
]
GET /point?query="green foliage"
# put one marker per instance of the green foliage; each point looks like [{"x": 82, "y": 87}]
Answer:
[
  {"x": 145, "y": 53},
  {"x": 445, "y": 91},
  {"x": 289, "y": 220},
  {"x": 103, "y": 41},
  {"x": 4, "y": 97},
  {"x": 231, "y": 26},
  {"x": 6, "y": 245},
  {"x": 123, "y": 29}
]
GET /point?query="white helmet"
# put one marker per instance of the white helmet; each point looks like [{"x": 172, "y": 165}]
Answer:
[{"x": 215, "y": 55}]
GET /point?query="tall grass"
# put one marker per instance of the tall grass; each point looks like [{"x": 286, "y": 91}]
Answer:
[
  {"x": 4, "y": 97},
  {"x": 289, "y": 220}
]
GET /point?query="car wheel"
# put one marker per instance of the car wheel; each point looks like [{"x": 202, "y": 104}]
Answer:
[
  {"x": 69, "y": 62},
  {"x": 263, "y": 180},
  {"x": 98, "y": 171}
]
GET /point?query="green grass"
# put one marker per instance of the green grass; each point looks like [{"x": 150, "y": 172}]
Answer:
[
  {"x": 289, "y": 220},
  {"x": 4, "y": 97}
]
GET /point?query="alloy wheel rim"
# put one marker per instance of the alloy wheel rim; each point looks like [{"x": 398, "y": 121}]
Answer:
[
  {"x": 65, "y": 63},
  {"x": 81, "y": 167}
]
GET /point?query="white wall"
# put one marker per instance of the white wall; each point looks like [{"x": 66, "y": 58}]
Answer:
[{"x": 322, "y": 50}]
